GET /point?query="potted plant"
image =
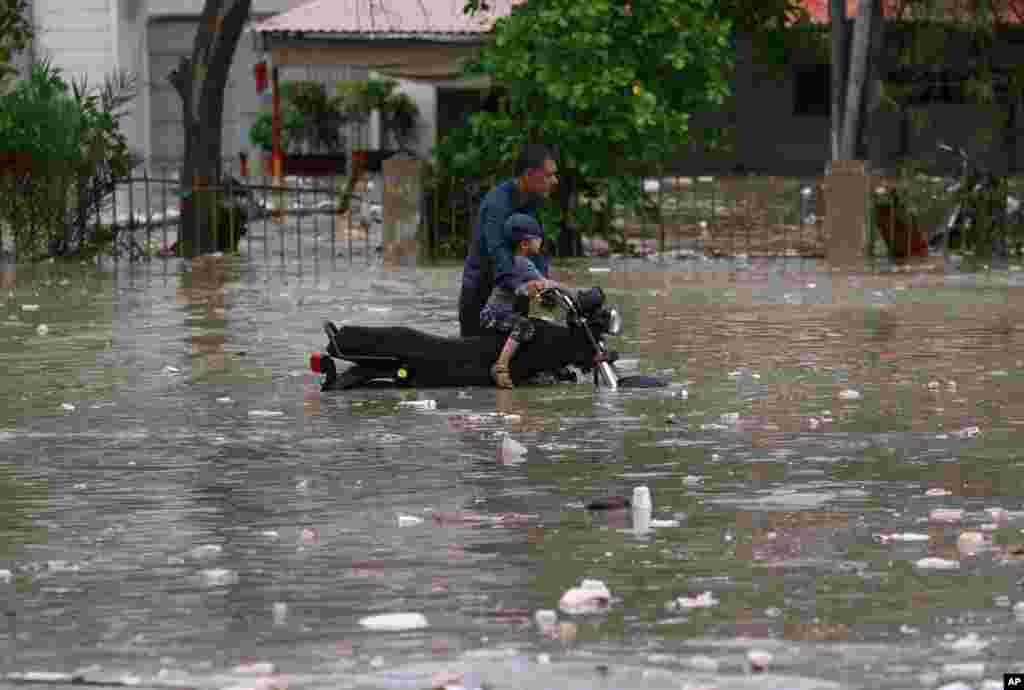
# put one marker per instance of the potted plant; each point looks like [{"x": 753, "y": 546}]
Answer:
[
  {"x": 358, "y": 98},
  {"x": 322, "y": 117},
  {"x": 899, "y": 207},
  {"x": 262, "y": 132},
  {"x": 399, "y": 114}
]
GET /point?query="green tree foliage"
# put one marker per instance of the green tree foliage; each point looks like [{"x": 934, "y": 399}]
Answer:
[
  {"x": 15, "y": 35},
  {"x": 261, "y": 133},
  {"x": 613, "y": 83}
]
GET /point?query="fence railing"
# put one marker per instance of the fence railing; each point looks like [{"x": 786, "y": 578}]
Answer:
[
  {"x": 751, "y": 215},
  {"x": 141, "y": 216},
  {"x": 731, "y": 215}
]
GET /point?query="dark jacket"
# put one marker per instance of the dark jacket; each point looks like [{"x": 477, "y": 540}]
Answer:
[{"x": 489, "y": 244}]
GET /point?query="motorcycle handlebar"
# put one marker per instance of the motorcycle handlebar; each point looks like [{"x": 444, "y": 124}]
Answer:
[{"x": 556, "y": 295}]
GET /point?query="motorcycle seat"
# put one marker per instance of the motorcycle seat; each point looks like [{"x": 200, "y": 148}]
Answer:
[{"x": 387, "y": 344}]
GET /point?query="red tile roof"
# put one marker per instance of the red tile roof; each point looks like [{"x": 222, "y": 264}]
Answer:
[
  {"x": 386, "y": 17},
  {"x": 818, "y": 9},
  {"x": 445, "y": 17}
]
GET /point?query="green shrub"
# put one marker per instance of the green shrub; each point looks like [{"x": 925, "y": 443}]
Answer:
[
  {"x": 71, "y": 155},
  {"x": 262, "y": 132}
]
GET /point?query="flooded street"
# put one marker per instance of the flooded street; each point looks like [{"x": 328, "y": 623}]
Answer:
[{"x": 837, "y": 462}]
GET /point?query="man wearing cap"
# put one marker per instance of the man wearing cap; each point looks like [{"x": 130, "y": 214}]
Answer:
[
  {"x": 489, "y": 256},
  {"x": 508, "y": 306}
]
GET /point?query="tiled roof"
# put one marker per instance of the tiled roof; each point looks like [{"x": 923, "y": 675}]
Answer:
[
  {"x": 818, "y": 9},
  {"x": 386, "y": 17},
  {"x": 445, "y": 17}
]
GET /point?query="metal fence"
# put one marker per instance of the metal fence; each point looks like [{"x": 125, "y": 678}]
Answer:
[
  {"x": 142, "y": 217},
  {"x": 300, "y": 217},
  {"x": 729, "y": 215},
  {"x": 748, "y": 215}
]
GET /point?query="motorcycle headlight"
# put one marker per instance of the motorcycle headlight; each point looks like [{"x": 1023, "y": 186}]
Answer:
[{"x": 614, "y": 322}]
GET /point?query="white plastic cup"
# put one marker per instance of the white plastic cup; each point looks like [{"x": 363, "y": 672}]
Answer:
[
  {"x": 545, "y": 618},
  {"x": 642, "y": 497}
]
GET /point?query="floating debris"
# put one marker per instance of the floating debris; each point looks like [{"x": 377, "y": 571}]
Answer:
[
  {"x": 510, "y": 451},
  {"x": 419, "y": 404},
  {"x": 394, "y": 622},
  {"x": 218, "y": 577},
  {"x": 590, "y": 597},
  {"x": 969, "y": 432},
  {"x": 946, "y": 515},
  {"x": 660, "y": 524},
  {"x": 971, "y": 643},
  {"x": 266, "y": 413},
  {"x": 759, "y": 659},
  {"x": 901, "y": 536},
  {"x": 969, "y": 543},
  {"x": 972, "y": 670},
  {"x": 409, "y": 520},
  {"x": 255, "y": 668},
  {"x": 206, "y": 551},
  {"x": 701, "y": 601}
]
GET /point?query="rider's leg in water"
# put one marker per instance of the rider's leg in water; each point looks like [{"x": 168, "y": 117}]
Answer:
[{"x": 522, "y": 331}]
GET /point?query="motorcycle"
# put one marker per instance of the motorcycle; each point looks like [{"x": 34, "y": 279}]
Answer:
[
  {"x": 960, "y": 217},
  {"x": 405, "y": 357}
]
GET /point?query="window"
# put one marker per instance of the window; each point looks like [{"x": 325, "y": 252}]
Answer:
[{"x": 813, "y": 90}]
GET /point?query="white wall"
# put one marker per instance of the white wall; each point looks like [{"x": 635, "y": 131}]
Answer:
[
  {"x": 129, "y": 17},
  {"x": 93, "y": 39},
  {"x": 80, "y": 38},
  {"x": 192, "y": 8},
  {"x": 425, "y": 96}
]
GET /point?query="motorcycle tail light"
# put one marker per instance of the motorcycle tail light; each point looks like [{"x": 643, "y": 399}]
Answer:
[{"x": 314, "y": 363}]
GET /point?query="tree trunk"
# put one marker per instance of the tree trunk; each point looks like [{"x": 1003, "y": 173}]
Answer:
[
  {"x": 200, "y": 81},
  {"x": 1010, "y": 136},
  {"x": 837, "y": 12},
  {"x": 869, "y": 147},
  {"x": 857, "y": 77},
  {"x": 569, "y": 241}
]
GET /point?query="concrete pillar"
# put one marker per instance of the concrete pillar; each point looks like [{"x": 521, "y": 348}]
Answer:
[
  {"x": 846, "y": 188},
  {"x": 402, "y": 196}
]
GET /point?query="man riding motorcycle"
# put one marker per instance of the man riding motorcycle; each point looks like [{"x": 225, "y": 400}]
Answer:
[{"x": 489, "y": 254}]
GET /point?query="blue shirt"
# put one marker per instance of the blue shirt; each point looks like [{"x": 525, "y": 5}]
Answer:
[
  {"x": 489, "y": 241},
  {"x": 501, "y": 305}
]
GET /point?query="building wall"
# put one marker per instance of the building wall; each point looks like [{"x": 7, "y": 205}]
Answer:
[
  {"x": 80, "y": 38},
  {"x": 170, "y": 39},
  {"x": 425, "y": 96},
  {"x": 771, "y": 138},
  {"x": 93, "y": 39}
]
